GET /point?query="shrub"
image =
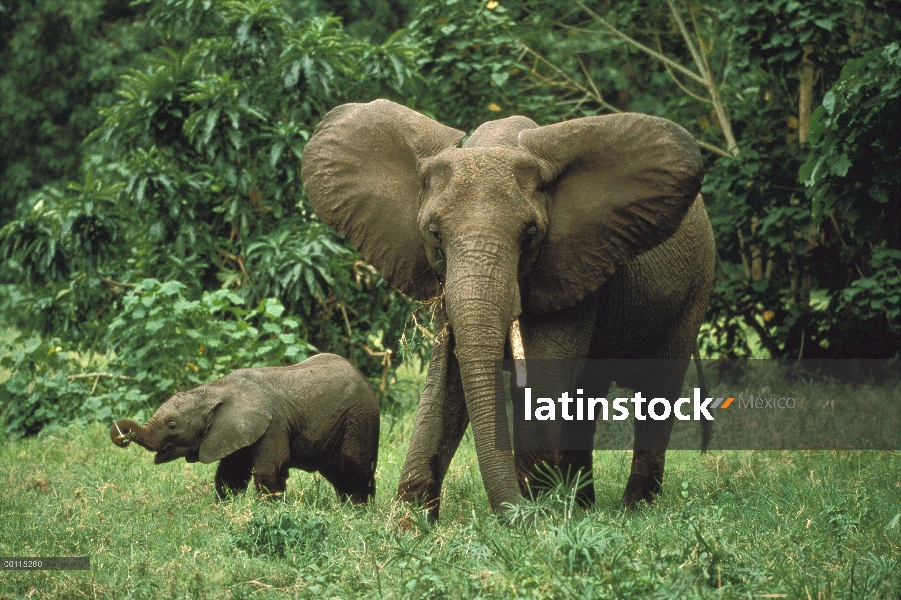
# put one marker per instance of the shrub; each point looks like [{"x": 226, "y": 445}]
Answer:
[{"x": 160, "y": 342}]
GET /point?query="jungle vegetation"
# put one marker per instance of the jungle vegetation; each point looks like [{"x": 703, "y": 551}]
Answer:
[{"x": 154, "y": 234}]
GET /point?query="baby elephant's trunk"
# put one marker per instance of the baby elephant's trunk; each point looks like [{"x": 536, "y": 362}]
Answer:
[{"x": 122, "y": 432}]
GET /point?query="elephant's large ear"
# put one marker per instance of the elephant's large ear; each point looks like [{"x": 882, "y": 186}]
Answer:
[
  {"x": 239, "y": 420},
  {"x": 361, "y": 172},
  {"x": 617, "y": 185}
]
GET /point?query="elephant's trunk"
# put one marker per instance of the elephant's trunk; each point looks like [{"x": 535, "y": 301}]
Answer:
[
  {"x": 482, "y": 299},
  {"x": 124, "y": 431}
]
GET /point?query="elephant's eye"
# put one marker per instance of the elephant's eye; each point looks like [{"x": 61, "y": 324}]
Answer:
[
  {"x": 433, "y": 228},
  {"x": 171, "y": 425},
  {"x": 532, "y": 230}
]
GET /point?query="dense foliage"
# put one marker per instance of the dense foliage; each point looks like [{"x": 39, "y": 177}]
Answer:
[
  {"x": 194, "y": 181},
  {"x": 59, "y": 61},
  {"x": 853, "y": 176},
  {"x": 786, "y": 276},
  {"x": 189, "y": 182},
  {"x": 783, "y": 270},
  {"x": 159, "y": 341}
]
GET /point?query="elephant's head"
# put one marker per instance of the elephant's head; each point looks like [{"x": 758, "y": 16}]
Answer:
[
  {"x": 520, "y": 217},
  {"x": 205, "y": 424}
]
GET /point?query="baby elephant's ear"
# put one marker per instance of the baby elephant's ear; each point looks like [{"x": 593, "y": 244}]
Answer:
[
  {"x": 240, "y": 420},
  {"x": 617, "y": 185}
]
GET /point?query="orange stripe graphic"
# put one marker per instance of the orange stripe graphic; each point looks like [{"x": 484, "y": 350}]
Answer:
[{"x": 727, "y": 402}]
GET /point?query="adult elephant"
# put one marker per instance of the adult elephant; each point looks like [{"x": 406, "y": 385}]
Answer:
[{"x": 590, "y": 232}]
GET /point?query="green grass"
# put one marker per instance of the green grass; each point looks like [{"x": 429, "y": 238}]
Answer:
[{"x": 727, "y": 525}]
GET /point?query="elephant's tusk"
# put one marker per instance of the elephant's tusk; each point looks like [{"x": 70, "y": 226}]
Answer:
[{"x": 519, "y": 353}]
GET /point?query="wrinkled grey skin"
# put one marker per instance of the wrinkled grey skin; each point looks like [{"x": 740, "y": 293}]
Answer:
[
  {"x": 317, "y": 415},
  {"x": 591, "y": 232}
]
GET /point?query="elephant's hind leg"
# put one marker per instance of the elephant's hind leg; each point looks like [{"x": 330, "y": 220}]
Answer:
[
  {"x": 353, "y": 474},
  {"x": 352, "y": 481},
  {"x": 651, "y": 436},
  {"x": 234, "y": 472}
]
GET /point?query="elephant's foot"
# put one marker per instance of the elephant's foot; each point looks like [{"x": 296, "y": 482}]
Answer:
[
  {"x": 359, "y": 499},
  {"x": 585, "y": 496},
  {"x": 646, "y": 477},
  {"x": 640, "y": 488},
  {"x": 357, "y": 496},
  {"x": 351, "y": 482},
  {"x": 223, "y": 491},
  {"x": 423, "y": 494},
  {"x": 534, "y": 472},
  {"x": 232, "y": 477},
  {"x": 578, "y": 465},
  {"x": 270, "y": 486}
]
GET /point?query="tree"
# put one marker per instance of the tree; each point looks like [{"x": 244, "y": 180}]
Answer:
[
  {"x": 743, "y": 79},
  {"x": 193, "y": 184},
  {"x": 59, "y": 62},
  {"x": 853, "y": 178}
]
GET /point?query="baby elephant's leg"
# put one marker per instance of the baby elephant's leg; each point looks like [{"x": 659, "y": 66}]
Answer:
[
  {"x": 352, "y": 481},
  {"x": 270, "y": 465},
  {"x": 353, "y": 471},
  {"x": 271, "y": 481},
  {"x": 234, "y": 472}
]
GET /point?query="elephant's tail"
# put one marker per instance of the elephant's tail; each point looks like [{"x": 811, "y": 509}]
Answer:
[{"x": 702, "y": 382}]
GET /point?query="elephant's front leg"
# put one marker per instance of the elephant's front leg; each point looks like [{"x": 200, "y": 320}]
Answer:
[
  {"x": 234, "y": 472},
  {"x": 646, "y": 474},
  {"x": 441, "y": 421},
  {"x": 555, "y": 344},
  {"x": 560, "y": 444},
  {"x": 271, "y": 461}
]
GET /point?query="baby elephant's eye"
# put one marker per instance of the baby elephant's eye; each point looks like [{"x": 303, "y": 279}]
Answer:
[
  {"x": 433, "y": 228},
  {"x": 171, "y": 425}
]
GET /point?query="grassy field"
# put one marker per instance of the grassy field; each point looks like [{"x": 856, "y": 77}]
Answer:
[{"x": 734, "y": 524}]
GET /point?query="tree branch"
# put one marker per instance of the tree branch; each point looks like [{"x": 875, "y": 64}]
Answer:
[
  {"x": 676, "y": 79},
  {"x": 115, "y": 283},
  {"x": 636, "y": 44},
  {"x": 98, "y": 375},
  {"x": 386, "y": 363},
  {"x": 590, "y": 81},
  {"x": 704, "y": 76},
  {"x": 712, "y": 89},
  {"x": 805, "y": 95},
  {"x": 714, "y": 149},
  {"x": 569, "y": 84}
]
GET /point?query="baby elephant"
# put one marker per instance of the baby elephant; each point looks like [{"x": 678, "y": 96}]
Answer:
[{"x": 318, "y": 415}]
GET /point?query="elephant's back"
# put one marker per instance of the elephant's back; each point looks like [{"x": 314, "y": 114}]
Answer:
[{"x": 320, "y": 375}]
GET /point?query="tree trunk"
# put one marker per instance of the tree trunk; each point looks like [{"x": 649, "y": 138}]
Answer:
[{"x": 805, "y": 95}]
